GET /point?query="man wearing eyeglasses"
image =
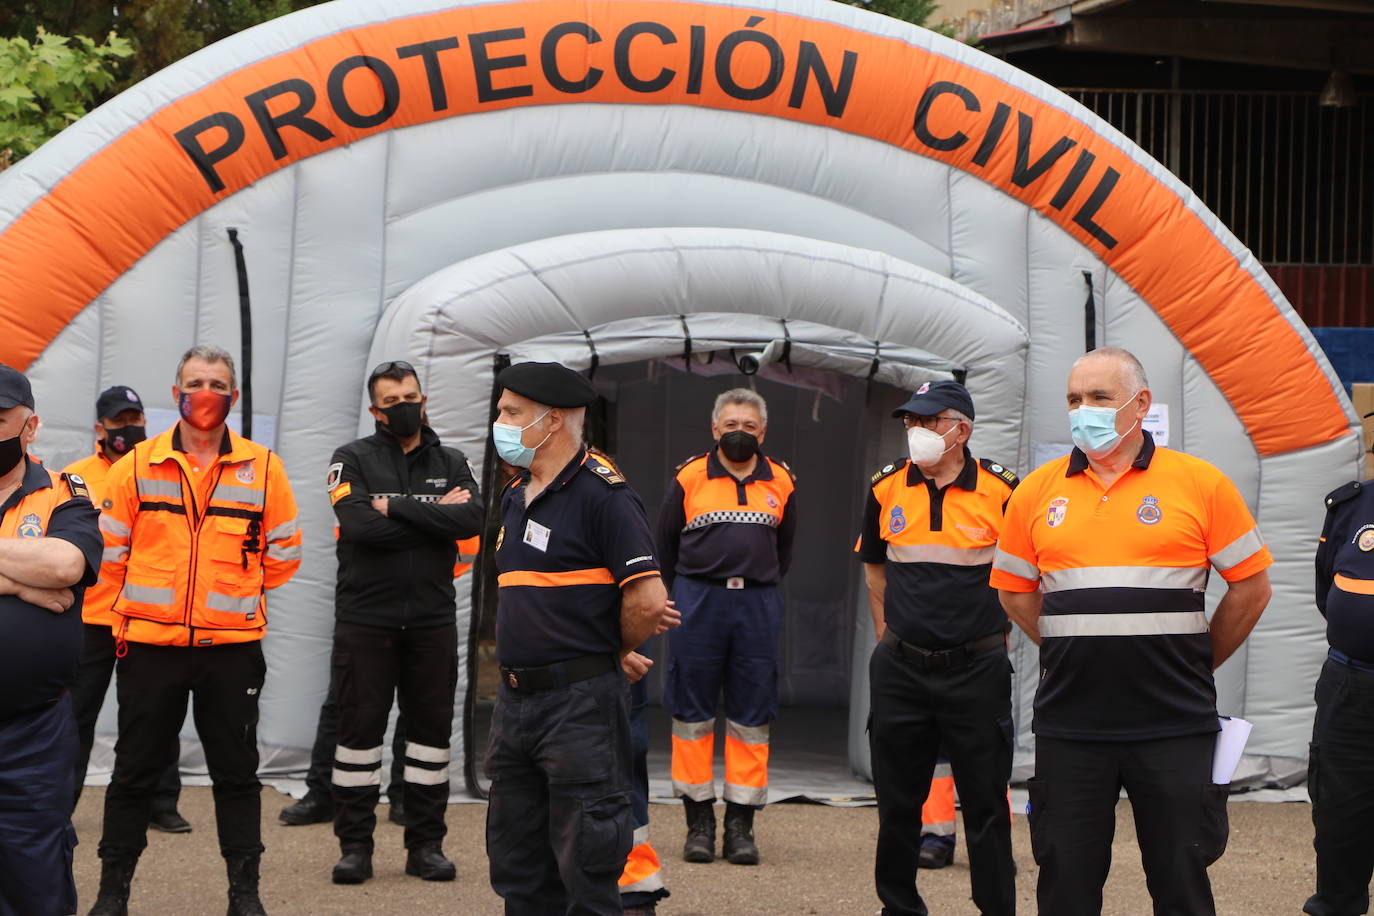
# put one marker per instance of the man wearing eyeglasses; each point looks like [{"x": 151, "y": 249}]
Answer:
[
  {"x": 401, "y": 500},
  {"x": 939, "y": 677}
]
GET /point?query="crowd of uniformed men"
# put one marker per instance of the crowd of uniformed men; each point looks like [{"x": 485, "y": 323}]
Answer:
[{"x": 166, "y": 547}]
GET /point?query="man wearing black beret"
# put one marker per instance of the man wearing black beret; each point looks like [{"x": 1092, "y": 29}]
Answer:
[{"x": 580, "y": 589}]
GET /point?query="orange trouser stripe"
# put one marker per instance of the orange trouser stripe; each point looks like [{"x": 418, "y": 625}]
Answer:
[
  {"x": 642, "y": 863},
  {"x": 746, "y": 764},
  {"x": 939, "y": 806},
  {"x": 692, "y": 759}
]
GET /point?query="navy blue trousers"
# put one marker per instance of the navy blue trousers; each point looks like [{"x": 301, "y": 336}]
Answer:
[{"x": 37, "y": 760}]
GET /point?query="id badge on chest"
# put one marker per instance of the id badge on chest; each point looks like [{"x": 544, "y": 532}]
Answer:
[{"x": 537, "y": 536}]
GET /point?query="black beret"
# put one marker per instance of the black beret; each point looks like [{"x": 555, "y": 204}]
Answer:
[
  {"x": 550, "y": 384},
  {"x": 933, "y": 397}
]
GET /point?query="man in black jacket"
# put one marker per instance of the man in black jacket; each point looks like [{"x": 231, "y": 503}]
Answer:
[{"x": 401, "y": 500}]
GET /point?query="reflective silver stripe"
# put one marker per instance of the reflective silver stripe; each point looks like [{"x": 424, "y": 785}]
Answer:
[
  {"x": 277, "y": 552},
  {"x": 353, "y": 779},
  {"x": 283, "y": 531},
  {"x": 358, "y": 756},
  {"x": 228, "y": 491},
  {"x": 231, "y": 604},
  {"x": 939, "y": 553},
  {"x": 749, "y": 734},
  {"x": 696, "y": 791},
  {"x": 691, "y": 731},
  {"x": 646, "y": 885},
  {"x": 943, "y": 828},
  {"x": 426, "y": 754},
  {"x": 1125, "y": 577},
  {"x": 1238, "y": 551},
  {"x": 641, "y": 835},
  {"x": 745, "y": 795},
  {"x": 147, "y": 486},
  {"x": 113, "y": 554},
  {"x": 732, "y": 516},
  {"x": 422, "y": 777},
  {"x": 1011, "y": 563},
  {"x": 1170, "y": 623},
  {"x": 113, "y": 526},
  {"x": 148, "y": 594},
  {"x": 942, "y": 771}
]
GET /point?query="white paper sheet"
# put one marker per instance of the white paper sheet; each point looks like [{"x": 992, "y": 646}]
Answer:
[{"x": 1230, "y": 746}]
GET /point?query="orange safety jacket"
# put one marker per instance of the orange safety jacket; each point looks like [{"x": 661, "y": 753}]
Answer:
[
  {"x": 189, "y": 571},
  {"x": 468, "y": 549},
  {"x": 97, "y": 605}
]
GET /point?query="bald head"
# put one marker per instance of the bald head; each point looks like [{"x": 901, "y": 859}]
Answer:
[{"x": 1131, "y": 373}]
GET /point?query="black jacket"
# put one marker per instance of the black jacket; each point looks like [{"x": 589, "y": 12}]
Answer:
[{"x": 396, "y": 570}]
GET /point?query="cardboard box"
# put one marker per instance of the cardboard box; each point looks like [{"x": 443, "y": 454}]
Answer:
[{"x": 1362, "y": 396}]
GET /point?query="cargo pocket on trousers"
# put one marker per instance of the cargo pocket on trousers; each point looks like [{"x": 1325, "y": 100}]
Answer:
[
  {"x": 1036, "y": 810},
  {"x": 1216, "y": 825},
  {"x": 606, "y": 833}
]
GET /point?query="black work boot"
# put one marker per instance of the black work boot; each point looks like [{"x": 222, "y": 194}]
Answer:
[
  {"x": 354, "y": 867},
  {"x": 313, "y": 809},
  {"x": 740, "y": 848},
  {"x": 701, "y": 831},
  {"x": 115, "y": 877},
  {"x": 427, "y": 861},
  {"x": 243, "y": 886}
]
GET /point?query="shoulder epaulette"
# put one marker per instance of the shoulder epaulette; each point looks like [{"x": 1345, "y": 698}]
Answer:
[
  {"x": 690, "y": 460},
  {"x": 1003, "y": 474},
  {"x": 784, "y": 465},
  {"x": 888, "y": 470},
  {"x": 1343, "y": 493},
  {"x": 77, "y": 486},
  {"x": 603, "y": 469}
]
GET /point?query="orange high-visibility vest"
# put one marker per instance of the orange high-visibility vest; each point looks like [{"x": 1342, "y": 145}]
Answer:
[
  {"x": 191, "y": 571},
  {"x": 97, "y": 604}
]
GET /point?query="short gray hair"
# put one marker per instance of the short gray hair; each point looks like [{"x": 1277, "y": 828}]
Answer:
[
  {"x": 1131, "y": 368},
  {"x": 210, "y": 354},
  {"x": 740, "y": 396}
]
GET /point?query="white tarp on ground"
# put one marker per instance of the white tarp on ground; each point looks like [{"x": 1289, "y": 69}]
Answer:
[{"x": 400, "y": 194}]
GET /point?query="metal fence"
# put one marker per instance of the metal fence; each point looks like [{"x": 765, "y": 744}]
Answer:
[{"x": 1294, "y": 180}]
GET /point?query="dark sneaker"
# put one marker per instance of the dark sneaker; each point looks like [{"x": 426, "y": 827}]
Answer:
[
  {"x": 169, "y": 822},
  {"x": 935, "y": 855}
]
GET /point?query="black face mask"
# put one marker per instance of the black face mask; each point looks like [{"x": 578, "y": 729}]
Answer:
[
  {"x": 404, "y": 418},
  {"x": 11, "y": 453},
  {"x": 739, "y": 446},
  {"x": 121, "y": 439}
]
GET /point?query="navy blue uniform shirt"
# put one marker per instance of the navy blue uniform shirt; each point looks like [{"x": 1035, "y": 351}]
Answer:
[
  {"x": 1345, "y": 570},
  {"x": 39, "y": 650},
  {"x": 562, "y": 561}
]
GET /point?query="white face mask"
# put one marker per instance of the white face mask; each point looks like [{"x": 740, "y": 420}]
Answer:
[{"x": 926, "y": 445}]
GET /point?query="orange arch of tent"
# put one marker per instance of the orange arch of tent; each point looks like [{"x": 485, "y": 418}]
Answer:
[{"x": 111, "y": 210}]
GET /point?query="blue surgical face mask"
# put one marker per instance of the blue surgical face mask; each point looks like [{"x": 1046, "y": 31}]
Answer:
[
  {"x": 1094, "y": 428},
  {"x": 509, "y": 443}
]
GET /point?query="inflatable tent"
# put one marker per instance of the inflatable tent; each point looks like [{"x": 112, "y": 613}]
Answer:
[{"x": 611, "y": 183}]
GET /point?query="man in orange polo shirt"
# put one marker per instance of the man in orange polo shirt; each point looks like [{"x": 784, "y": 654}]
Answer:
[
  {"x": 120, "y": 425},
  {"x": 724, "y": 542},
  {"x": 1103, "y": 561}
]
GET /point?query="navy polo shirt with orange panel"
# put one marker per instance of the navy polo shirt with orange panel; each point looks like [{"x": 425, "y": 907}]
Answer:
[{"x": 727, "y": 543}]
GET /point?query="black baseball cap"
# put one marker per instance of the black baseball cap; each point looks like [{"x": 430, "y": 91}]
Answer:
[
  {"x": 550, "y": 384},
  {"x": 113, "y": 400},
  {"x": 14, "y": 389},
  {"x": 933, "y": 397}
]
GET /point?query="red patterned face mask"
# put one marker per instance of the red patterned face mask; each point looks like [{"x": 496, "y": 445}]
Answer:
[{"x": 205, "y": 409}]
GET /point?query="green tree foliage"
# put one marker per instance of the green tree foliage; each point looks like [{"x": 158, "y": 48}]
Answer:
[
  {"x": 160, "y": 31},
  {"x": 49, "y": 83},
  {"x": 917, "y": 12}
]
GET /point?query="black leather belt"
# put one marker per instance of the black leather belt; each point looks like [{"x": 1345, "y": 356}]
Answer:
[
  {"x": 733, "y": 582},
  {"x": 943, "y": 659},
  {"x": 559, "y": 674}
]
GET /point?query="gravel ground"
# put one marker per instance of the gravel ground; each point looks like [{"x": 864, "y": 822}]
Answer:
[{"x": 816, "y": 860}]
